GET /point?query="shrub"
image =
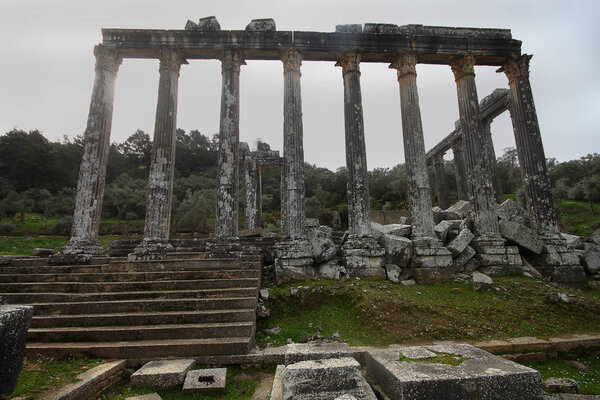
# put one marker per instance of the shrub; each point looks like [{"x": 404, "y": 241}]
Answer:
[
  {"x": 6, "y": 228},
  {"x": 63, "y": 226}
]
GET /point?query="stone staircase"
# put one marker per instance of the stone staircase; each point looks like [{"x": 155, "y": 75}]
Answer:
[{"x": 184, "y": 306}]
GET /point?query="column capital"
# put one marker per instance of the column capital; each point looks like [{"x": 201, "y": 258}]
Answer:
[
  {"x": 405, "y": 63},
  {"x": 457, "y": 146},
  {"x": 349, "y": 61},
  {"x": 171, "y": 60},
  {"x": 107, "y": 58},
  {"x": 232, "y": 60},
  {"x": 518, "y": 67},
  {"x": 463, "y": 65},
  {"x": 292, "y": 60},
  {"x": 438, "y": 158}
]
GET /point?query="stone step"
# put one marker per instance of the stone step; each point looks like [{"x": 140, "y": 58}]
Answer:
[
  {"x": 155, "y": 266},
  {"x": 143, "y": 332},
  {"x": 132, "y": 276},
  {"x": 25, "y": 298},
  {"x": 144, "y": 318},
  {"x": 29, "y": 261},
  {"x": 144, "y": 305},
  {"x": 142, "y": 349},
  {"x": 96, "y": 287}
]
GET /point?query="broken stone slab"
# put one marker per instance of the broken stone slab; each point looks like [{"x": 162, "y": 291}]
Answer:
[
  {"x": 324, "y": 380},
  {"x": 297, "y": 352},
  {"x": 509, "y": 210},
  {"x": 151, "y": 396},
  {"x": 481, "y": 281},
  {"x": 14, "y": 324},
  {"x": 529, "y": 270},
  {"x": 479, "y": 375},
  {"x": 208, "y": 24},
  {"x": 42, "y": 252},
  {"x": 459, "y": 262},
  {"x": 591, "y": 262},
  {"x": 323, "y": 249},
  {"x": 591, "y": 247},
  {"x": 162, "y": 374},
  {"x": 398, "y": 249},
  {"x": 595, "y": 237},
  {"x": 461, "y": 207},
  {"x": 189, "y": 26},
  {"x": 331, "y": 270},
  {"x": 521, "y": 235},
  {"x": 349, "y": 28},
  {"x": 573, "y": 241},
  {"x": 210, "y": 381},
  {"x": 562, "y": 385},
  {"x": 440, "y": 215},
  {"x": 442, "y": 229},
  {"x": 393, "y": 272},
  {"x": 460, "y": 243},
  {"x": 262, "y": 25},
  {"x": 393, "y": 229}
]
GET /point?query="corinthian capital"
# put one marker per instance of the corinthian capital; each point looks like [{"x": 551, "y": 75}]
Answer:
[
  {"x": 349, "y": 61},
  {"x": 231, "y": 60},
  {"x": 107, "y": 58},
  {"x": 405, "y": 64},
  {"x": 292, "y": 60},
  {"x": 463, "y": 65},
  {"x": 170, "y": 59},
  {"x": 516, "y": 67}
]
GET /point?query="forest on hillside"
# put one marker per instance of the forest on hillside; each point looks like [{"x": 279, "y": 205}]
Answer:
[{"x": 40, "y": 176}]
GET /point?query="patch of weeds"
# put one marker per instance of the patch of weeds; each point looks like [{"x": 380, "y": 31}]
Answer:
[
  {"x": 442, "y": 358},
  {"x": 589, "y": 380},
  {"x": 41, "y": 375}
]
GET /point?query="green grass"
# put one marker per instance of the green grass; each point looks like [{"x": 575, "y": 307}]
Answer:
[
  {"x": 367, "y": 313},
  {"x": 237, "y": 388},
  {"x": 22, "y": 245},
  {"x": 578, "y": 218},
  {"x": 589, "y": 380},
  {"x": 38, "y": 376}
]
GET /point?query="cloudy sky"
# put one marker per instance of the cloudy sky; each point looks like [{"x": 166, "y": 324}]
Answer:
[{"x": 47, "y": 71}]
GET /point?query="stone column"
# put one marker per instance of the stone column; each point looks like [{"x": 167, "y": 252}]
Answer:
[
  {"x": 92, "y": 172},
  {"x": 529, "y": 147},
  {"x": 252, "y": 217},
  {"x": 473, "y": 135},
  {"x": 359, "y": 208},
  {"x": 459, "y": 169},
  {"x": 226, "y": 224},
  {"x": 429, "y": 254},
  {"x": 490, "y": 153},
  {"x": 293, "y": 152},
  {"x": 162, "y": 164},
  {"x": 440, "y": 182}
]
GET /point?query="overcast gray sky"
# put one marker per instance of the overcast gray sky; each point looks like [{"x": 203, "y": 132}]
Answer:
[{"x": 47, "y": 71}]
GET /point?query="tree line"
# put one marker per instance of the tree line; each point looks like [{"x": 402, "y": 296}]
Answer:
[{"x": 40, "y": 176}]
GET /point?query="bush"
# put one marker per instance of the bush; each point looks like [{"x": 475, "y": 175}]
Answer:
[
  {"x": 6, "y": 228},
  {"x": 63, "y": 226}
]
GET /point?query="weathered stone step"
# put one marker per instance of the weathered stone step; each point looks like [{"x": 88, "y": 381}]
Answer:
[
  {"x": 132, "y": 276},
  {"x": 28, "y": 261},
  {"x": 144, "y": 318},
  {"x": 144, "y": 332},
  {"x": 142, "y": 349},
  {"x": 95, "y": 287},
  {"x": 143, "y": 305},
  {"x": 154, "y": 266},
  {"x": 25, "y": 298}
]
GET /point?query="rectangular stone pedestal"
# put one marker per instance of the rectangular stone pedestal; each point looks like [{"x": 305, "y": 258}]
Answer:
[
  {"x": 496, "y": 259},
  {"x": 560, "y": 263},
  {"x": 363, "y": 258}
]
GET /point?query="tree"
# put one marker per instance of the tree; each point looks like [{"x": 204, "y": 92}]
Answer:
[
  {"x": 194, "y": 210},
  {"x": 560, "y": 191},
  {"x": 16, "y": 203},
  {"x": 125, "y": 195},
  {"x": 587, "y": 189}
]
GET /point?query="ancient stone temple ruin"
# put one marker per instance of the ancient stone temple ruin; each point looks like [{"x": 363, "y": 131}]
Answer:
[{"x": 434, "y": 245}]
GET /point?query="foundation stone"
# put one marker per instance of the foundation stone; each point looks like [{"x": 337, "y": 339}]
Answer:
[{"x": 14, "y": 324}]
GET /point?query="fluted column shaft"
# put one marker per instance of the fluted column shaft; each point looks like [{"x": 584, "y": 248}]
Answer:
[
  {"x": 459, "y": 169},
  {"x": 252, "y": 217},
  {"x": 92, "y": 172},
  {"x": 162, "y": 164},
  {"x": 440, "y": 182},
  {"x": 359, "y": 208},
  {"x": 226, "y": 224},
  {"x": 414, "y": 148},
  {"x": 490, "y": 153},
  {"x": 483, "y": 198},
  {"x": 293, "y": 149},
  {"x": 530, "y": 148}
]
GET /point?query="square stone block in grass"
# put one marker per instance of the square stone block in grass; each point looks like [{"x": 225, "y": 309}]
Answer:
[
  {"x": 162, "y": 374},
  {"x": 205, "y": 381}
]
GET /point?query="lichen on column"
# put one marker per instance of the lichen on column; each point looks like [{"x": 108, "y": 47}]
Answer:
[
  {"x": 440, "y": 181},
  {"x": 92, "y": 172},
  {"x": 226, "y": 223},
  {"x": 459, "y": 169},
  {"x": 252, "y": 189}
]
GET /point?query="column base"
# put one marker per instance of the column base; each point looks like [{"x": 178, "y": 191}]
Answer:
[
  {"x": 431, "y": 261},
  {"x": 294, "y": 260},
  {"x": 77, "y": 252},
  {"x": 559, "y": 263},
  {"x": 151, "y": 249},
  {"x": 496, "y": 259},
  {"x": 363, "y": 258}
]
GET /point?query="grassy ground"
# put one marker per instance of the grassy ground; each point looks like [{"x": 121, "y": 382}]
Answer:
[
  {"x": 22, "y": 245},
  {"x": 589, "y": 380},
  {"x": 367, "y": 313},
  {"x": 38, "y": 376},
  {"x": 578, "y": 217}
]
